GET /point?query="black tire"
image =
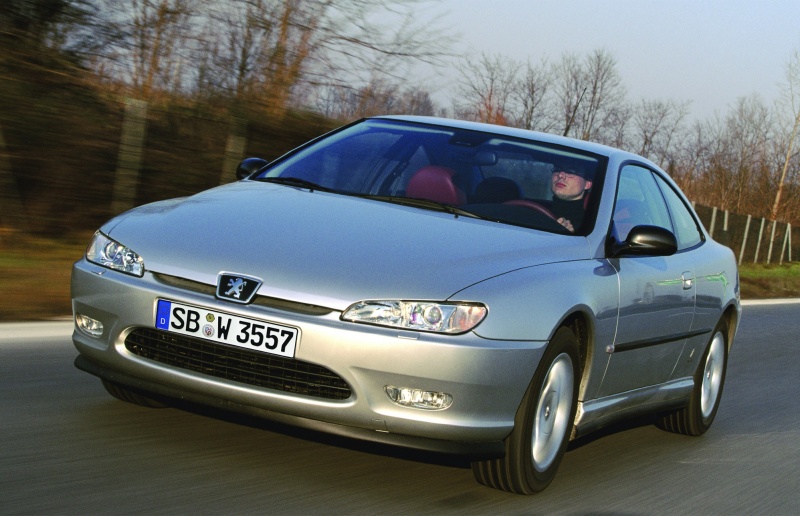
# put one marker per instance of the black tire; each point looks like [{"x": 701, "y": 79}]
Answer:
[
  {"x": 543, "y": 423},
  {"x": 709, "y": 379},
  {"x": 131, "y": 396}
]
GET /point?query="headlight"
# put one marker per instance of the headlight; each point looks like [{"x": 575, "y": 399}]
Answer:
[
  {"x": 108, "y": 253},
  {"x": 418, "y": 315}
]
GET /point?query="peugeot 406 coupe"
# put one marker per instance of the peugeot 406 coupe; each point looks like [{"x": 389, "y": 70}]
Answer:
[{"x": 427, "y": 283}]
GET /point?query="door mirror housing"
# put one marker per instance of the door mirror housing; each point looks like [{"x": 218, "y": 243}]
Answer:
[
  {"x": 645, "y": 240},
  {"x": 250, "y": 166}
]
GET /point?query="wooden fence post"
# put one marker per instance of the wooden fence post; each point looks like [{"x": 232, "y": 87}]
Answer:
[
  {"x": 131, "y": 151},
  {"x": 760, "y": 236},
  {"x": 12, "y": 211},
  {"x": 771, "y": 240},
  {"x": 234, "y": 149},
  {"x": 744, "y": 240},
  {"x": 713, "y": 221}
]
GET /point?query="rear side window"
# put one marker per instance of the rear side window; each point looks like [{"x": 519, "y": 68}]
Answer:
[{"x": 684, "y": 224}]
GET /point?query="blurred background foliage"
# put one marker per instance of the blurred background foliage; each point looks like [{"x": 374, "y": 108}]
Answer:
[
  {"x": 203, "y": 69},
  {"x": 228, "y": 79}
]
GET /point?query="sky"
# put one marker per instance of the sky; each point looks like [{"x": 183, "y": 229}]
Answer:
[{"x": 708, "y": 52}]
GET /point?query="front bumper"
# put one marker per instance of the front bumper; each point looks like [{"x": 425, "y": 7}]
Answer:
[{"x": 486, "y": 378}]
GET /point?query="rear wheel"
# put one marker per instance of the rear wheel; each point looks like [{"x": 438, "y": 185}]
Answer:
[
  {"x": 542, "y": 426},
  {"x": 709, "y": 379},
  {"x": 131, "y": 396}
]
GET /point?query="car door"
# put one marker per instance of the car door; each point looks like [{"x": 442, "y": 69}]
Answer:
[{"x": 657, "y": 293}]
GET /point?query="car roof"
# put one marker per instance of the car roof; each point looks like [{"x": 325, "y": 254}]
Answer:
[{"x": 595, "y": 148}]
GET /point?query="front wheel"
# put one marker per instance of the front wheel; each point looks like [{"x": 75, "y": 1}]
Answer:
[
  {"x": 709, "y": 379},
  {"x": 542, "y": 426}
]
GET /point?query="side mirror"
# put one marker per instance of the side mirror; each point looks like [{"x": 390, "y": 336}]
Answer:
[
  {"x": 646, "y": 241},
  {"x": 250, "y": 166}
]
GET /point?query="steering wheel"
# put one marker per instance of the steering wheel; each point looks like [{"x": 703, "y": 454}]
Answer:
[{"x": 531, "y": 205}]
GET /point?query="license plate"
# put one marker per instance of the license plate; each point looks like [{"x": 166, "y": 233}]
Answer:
[{"x": 194, "y": 321}]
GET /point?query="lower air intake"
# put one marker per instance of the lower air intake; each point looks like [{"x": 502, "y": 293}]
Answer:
[{"x": 238, "y": 365}]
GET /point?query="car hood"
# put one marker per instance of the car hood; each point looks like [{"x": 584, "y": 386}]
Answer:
[{"x": 328, "y": 249}]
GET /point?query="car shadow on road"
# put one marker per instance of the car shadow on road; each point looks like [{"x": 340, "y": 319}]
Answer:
[
  {"x": 614, "y": 428},
  {"x": 382, "y": 449},
  {"x": 359, "y": 445}
]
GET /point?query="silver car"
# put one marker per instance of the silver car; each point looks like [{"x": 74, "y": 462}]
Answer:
[{"x": 428, "y": 283}]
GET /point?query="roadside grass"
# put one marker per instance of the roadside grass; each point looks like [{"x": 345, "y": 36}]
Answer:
[
  {"x": 770, "y": 281},
  {"x": 34, "y": 278}
]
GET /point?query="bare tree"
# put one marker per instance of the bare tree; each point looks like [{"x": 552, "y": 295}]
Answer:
[
  {"x": 228, "y": 51},
  {"x": 617, "y": 126},
  {"x": 486, "y": 87},
  {"x": 656, "y": 125},
  {"x": 699, "y": 163},
  {"x": 570, "y": 90},
  {"x": 749, "y": 133},
  {"x": 66, "y": 26},
  {"x": 280, "y": 51},
  {"x": 605, "y": 93},
  {"x": 417, "y": 101},
  {"x": 292, "y": 44},
  {"x": 381, "y": 97},
  {"x": 532, "y": 94},
  {"x": 792, "y": 102},
  {"x": 590, "y": 95},
  {"x": 376, "y": 98},
  {"x": 159, "y": 30},
  {"x": 730, "y": 159}
]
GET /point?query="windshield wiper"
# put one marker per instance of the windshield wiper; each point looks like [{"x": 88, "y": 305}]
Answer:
[
  {"x": 296, "y": 181},
  {"x": 424, "y": 203}
]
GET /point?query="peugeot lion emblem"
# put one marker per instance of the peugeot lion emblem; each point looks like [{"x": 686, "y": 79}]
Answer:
[{"x": 236, "y": 287}]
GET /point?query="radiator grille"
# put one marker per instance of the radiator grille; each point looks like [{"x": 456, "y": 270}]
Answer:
[{"x": 239, "y": 365}]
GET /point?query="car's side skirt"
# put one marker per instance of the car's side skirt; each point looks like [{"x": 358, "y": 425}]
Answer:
[{"x": 597, "y": 413}]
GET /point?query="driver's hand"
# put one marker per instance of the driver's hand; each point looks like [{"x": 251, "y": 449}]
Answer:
[{"x": 567, "y": 224}]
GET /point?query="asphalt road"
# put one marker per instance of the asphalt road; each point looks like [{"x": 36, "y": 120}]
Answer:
[{"x": 66, "y": 447}]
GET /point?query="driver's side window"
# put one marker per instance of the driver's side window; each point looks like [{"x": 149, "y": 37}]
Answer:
[{"x": 639, "y": 201}]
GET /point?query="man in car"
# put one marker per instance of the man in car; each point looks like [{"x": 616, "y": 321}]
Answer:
[{"x": 570, "y": 186}]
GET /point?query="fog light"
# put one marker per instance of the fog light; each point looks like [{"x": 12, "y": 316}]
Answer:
[
  {"x": 418, "y": 398},
  {"x": 88, "y": 325}
]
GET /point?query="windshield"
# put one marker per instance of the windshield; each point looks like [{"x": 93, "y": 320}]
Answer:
[{"x": 508, "y": 180}]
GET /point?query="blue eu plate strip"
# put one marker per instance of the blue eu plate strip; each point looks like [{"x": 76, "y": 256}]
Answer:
[{"x": 162, "y": 314}]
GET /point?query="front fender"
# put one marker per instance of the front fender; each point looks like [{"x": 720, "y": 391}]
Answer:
[{"x": 530, "y": 303}]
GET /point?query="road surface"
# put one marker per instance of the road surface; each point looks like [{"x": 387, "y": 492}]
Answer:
[{"x": 69, "y": 448}]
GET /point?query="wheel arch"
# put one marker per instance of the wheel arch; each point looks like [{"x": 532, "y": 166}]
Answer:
[
  {"x": 731, "y": 317},
  {"x": 582, "y": 325}
]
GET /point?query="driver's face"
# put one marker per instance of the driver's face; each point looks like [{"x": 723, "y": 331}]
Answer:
[{"x": 568, "y": 187}]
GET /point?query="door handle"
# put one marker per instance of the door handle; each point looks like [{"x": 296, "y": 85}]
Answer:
[{"x": 688, "y": 280}]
